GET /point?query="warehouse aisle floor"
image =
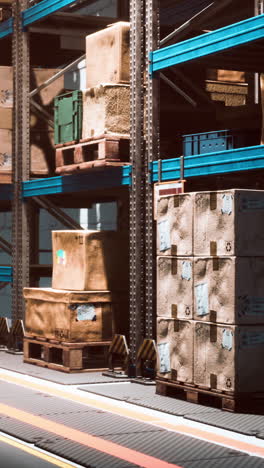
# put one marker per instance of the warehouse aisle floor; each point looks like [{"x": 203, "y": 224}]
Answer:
[{"x": 93, "y": 430}]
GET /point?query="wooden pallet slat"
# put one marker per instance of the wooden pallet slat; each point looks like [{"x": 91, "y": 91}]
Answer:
[
  {"x": 66, "y": 357},
  {"x": 227, "y": 401},
  {"x": 96, "y": 152}
]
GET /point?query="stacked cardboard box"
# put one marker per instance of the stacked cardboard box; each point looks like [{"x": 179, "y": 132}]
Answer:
[
  {"x": 212, "y": 291},
  {"x": 99, "y": 122},
  {"x": 41, "y": 134},
  {"x": 107, "y": 97},
  {"x": 174, "y": 287},
  {"x": 88, "y": 299}
]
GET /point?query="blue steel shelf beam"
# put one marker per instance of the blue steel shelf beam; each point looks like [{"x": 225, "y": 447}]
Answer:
[
  {"x": 232, "y": 36},
  {"x": 222, "y": 162},
  {"x": 110, "y": 178},
  {"x": 6, "y": 28},
  {"x": 6, "y": 274},
  {"x": 43, "y": 9}
]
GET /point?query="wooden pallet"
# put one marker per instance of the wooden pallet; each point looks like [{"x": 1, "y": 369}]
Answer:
[
  {"x": 100, "y": 152},
  {"x": 66, "y": 357},
  {"x": 227, "y": 401}
]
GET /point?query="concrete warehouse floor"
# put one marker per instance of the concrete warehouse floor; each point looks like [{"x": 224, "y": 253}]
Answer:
[{"x": 93, "y": 421}]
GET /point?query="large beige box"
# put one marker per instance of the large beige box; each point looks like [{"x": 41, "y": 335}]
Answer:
[
  {"x": 108, "y": 56},
  {"x": 106, "y": 110},
  {"x": 229, "y": 222},
  {"x": 175, "y": 287},
  {"x": 69, "y": 316},
  {"x": 229, "y": 357},
  {"x": 175, "y": 225},
  {"x": 175, "y": 349},
  {"x": 229, "y": 290},
  {"x": 90, "y": 260}
]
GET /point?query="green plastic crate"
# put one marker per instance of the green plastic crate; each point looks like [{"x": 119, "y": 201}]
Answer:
[{"x": 68, "y": 117}]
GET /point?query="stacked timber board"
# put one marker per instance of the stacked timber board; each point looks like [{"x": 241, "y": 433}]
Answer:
[
  {"x": 210, "y": 283},
  {"x": 70, "y": 326},
  {"x": 105, "y": 124},
  {"x": 42, "y": 160}
]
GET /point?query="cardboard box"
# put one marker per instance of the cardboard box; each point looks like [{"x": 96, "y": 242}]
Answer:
[
  {"x": 90, "y": 260},
  {"x": 229, "y": 290},
  {"x": 175, "y": 349},
  {"x": 175, "y": 225},
  {"x": 38, "y": 76},
  {"x": 175, "y": 287},
  {"x": 69, "y": 316},
  {"x": 106, "y": 110},
  {"x": 42, "y": 151},
  {"x": 108, "y": 56},
  {"x": 229, "y": 358},
  {"x": 228, "y": 223}
]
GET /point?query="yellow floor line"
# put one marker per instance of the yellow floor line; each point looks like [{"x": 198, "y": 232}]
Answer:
[
  {"x": 78, "y": 398},
  {"x": 35, "y": 453},
  {"x": 179, "y": 428}
]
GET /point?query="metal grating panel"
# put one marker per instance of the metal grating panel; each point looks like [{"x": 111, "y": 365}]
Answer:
[
  {"x": 84, "y": 456},
  {"x": 175, "y": 448},
  {"x": 100, "y": 423},
  {"x": 145, "y": 396},
  {"x": 234, "y": 462},
  {"x": 249, "y": 424},
  {"x": 22, "y": 431},
  {"x": 39, "y": 403},
  {"x": 15, "y": 363}
]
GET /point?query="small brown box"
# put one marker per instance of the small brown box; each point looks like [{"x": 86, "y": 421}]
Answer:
[
  {"x": 229, "y": 290},
  {"x": 175, "y": 349},
  {"x": 107, "y": 55},
  {"x": 68, "y": 316},
  {"x": 175, "y": 287},
  {"x": 39, "y": 76},
  {"x": 232, "y": 225},
  {"x": 229, "y": 357},
  {"x": 41, "y": 147},
  {"x": 175, "y": 225},
  {"x": 90, "y": 260},
  {"x": 106, "y": 111}
]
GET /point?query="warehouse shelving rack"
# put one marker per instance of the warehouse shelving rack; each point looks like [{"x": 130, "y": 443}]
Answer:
[{"x": 149, "y": 58}]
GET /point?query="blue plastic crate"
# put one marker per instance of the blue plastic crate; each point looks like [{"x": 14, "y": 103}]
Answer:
[{"x": 212, "y": 142}]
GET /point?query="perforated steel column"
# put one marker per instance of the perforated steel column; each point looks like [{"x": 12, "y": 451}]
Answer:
[
  {"x": 20, "y": 160},
  {"x": 151, "y": 154},
  {"x": 137, "y": 191}
]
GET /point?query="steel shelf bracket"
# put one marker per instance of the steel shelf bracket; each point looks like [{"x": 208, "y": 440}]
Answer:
[
  {"x": 222, "y": 162},
  {"x": 6, "y": 28},
  {"x": 43, "y": 9},
  {"x": 234, "y": 35},
  {"x": 109, "y": 178},
  {"x": 6, "y": 274}
]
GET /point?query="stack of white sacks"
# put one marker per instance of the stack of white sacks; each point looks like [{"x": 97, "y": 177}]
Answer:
[{"x": 210, "y": 290}]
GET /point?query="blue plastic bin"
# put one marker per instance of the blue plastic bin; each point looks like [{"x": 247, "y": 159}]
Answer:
[{"x": 211, "y": 142}]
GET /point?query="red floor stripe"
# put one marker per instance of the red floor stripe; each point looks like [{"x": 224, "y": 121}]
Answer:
[{"x": 88, "y": 440}]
